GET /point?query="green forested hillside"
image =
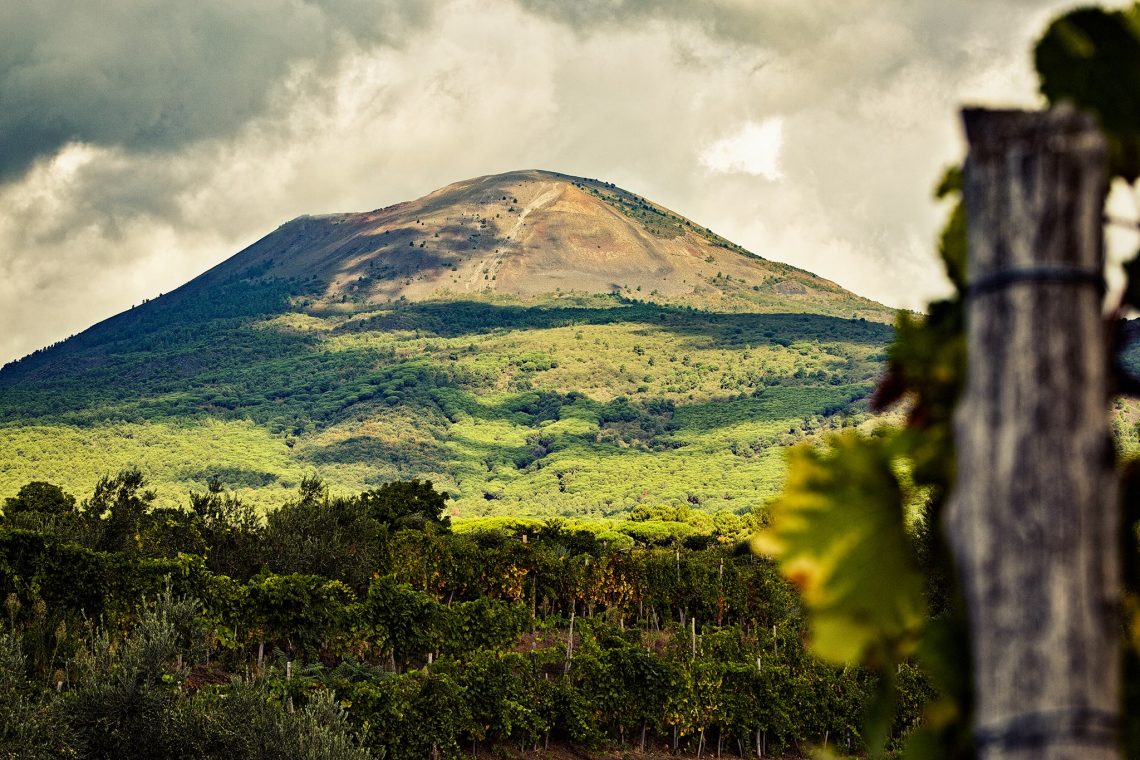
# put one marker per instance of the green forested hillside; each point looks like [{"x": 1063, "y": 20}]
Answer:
[
  {"x": 587, "y": 407},
  {"x": 270, "y": 368}
]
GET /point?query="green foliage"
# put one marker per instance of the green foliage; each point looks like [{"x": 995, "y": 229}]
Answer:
[
  {"x": 334, "y": 538},
  {"x": 1090, "y": 57},
  {"x": 120, "y": 505},
  {"x": 410, "y": 623},
  {"x": 303, "y": 612},
  {"x": 838, "y": 533},
  {"x": 230, "y": 528},
  {"x": 46, "y": 508},
  {"x": 481, "y": 624},
  {"x": 406, "y": 504},
  {"x": 31, "y": 725},
  {"x": 457, "y": 639},
  {"x": 508, "y": 405},
  {"x": 44, "y": 498}
]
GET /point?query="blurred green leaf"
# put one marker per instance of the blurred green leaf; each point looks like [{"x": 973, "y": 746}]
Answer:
[
  {"x": 838, "y": 534},
  {"x": 1091, "y": 58},
  {"x": 1131, "y": 295},
  {"x": 952, "y": 239}
]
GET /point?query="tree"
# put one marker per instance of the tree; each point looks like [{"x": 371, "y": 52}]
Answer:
[
  {"x": 117, "y": 510},
  {"x": 231, "y": 530},
  {"x": 37, "y": 496},
  {"x": 44, "y": 508},
  {"x": 407, "y": 504},
  {"x": 319, "y": 535}
]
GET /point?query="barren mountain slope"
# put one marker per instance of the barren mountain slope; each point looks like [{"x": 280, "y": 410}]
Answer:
[{"x": 530, "y": 233}]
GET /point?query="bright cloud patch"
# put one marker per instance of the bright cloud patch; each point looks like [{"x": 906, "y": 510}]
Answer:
[{"x": 752, "y": 149}]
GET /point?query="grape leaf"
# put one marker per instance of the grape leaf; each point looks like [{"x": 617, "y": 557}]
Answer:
[
  {"x": 1091, "y": 58},
  {"x": 838, "y": 534}
]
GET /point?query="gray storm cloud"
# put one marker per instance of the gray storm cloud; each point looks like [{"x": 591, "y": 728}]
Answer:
[
  {"x": 787, "y": 26},
  {"x": 158, "y": 75},
  {"x": 143, "y": 141}
]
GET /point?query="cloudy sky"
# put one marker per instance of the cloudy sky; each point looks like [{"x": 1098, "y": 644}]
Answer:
[{"x": 143, "y": 141}]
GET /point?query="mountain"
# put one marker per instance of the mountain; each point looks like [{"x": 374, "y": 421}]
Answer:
[
  {"x": 533, "y": 342},
  {"x": 527, "y": 234}
]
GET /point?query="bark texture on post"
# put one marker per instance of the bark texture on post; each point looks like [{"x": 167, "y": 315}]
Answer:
[{"x": 1033, "y": 521}]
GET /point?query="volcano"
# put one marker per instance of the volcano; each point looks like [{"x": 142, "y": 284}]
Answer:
[
  {"x": 536, "y": 343},
  {"x": 526, "y": 233}
]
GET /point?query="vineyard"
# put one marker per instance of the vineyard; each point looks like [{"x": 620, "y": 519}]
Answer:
[{"x": 366, "y": 627}]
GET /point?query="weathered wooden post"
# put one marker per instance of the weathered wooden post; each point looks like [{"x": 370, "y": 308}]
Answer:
[
  {"x": 289, "y": 677},
  {"x": 1033, "y": 521},
  {"x": 570, "y": 639}
]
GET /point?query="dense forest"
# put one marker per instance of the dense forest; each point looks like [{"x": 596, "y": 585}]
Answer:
[
  {"x": 366, "y": 626},
  {"x": 554, "y": 406}
]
